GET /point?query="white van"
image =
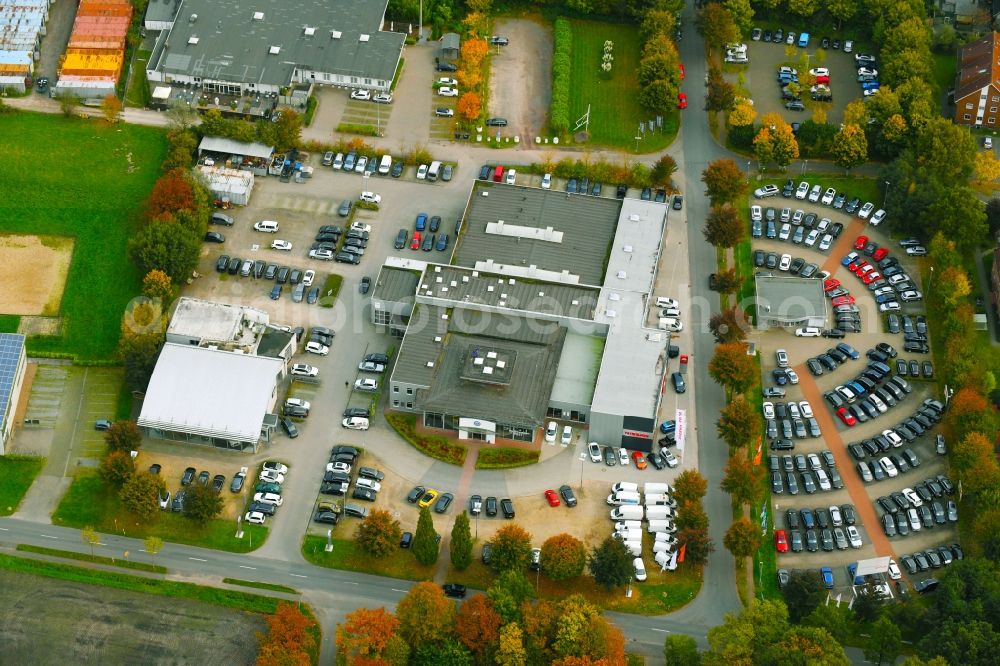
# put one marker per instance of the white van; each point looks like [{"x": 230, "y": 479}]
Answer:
[
  {"x": 665, "y": 560},
  {"x": 629, "y": 535},
  {"x": 659, "y": 512},
  {"x": 663, "y": 536},
  {"x": 385, "y": 164},
  {"x": 623, "y": 525},
  {"x": 660, "y": 499},
  {"x": 663, "y": 488},
  {"x": 624, "y": 498},
  {"x": 661, "y": 526},
  {"x": 634, "y": 547},
  {"x": 625, "y": 486},
  {"x": 628, "y": 512},
  {"x": 432, "y": 173},
  {"x": 662, "y": 547},
  {"x": 267, "y": 226}
]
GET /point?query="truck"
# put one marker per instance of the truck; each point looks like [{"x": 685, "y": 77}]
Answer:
[
  {"x": 624, "y": 497},
  {"x": 657, "y": 488},
  {"x": 627, "y": 512}
]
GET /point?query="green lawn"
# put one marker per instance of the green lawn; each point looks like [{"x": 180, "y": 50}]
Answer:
[
  {"x": 400, "y": 563},
  {"x": 94, "y": 559},
  {"x": 9, "y": 323},
  {"x": 91, "y": 502},
  {"x": 87, "y": 180},
  {"x": 138, "y": 90},
  {"x": 944, "y": 70},
  {"x": 615, "y": 112},
  {"x": 17, "y": 473}
]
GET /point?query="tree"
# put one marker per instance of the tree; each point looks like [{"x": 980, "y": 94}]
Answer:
[
  {"x": 681, "y": 650},
  {"x": 697, "y": 545},
  {"x": 90, "y": 537},
  {"x": 975, "y": 461},
  {"x": 658, "y": 97},
  {"x": 581, "y": 632},
  {"x": 868, "y": 602},
  {"x": 738, "y": 424},
  {"x": 285, "y": 132},
  {"x": 477, "y": 626},
  {"x": 511, "y": 548},
  {"x": 171, "y": 192},
  {"x": 842, "y": 10},
  {"x": 729, "y": 326},
  {"x": 784, "y": 145},
  {"x": 563, "y": 557},
  {"x": 473, "y": 52},
  {"x": 691, "y": 515},
  {"x": 728, "y": 281},
  {"x": 201, "y": 503},
  {"x": 805, "y": 8},
  {"x": 508, "y": 593},
  {"x": 742, "y": 115},
  {"x": 724, "y": 227},
  {"x": 831, "y": 618},
  {"x": 732, "y": 368},
  {"x": 717, "y": 26},
  {"x": 111, "y": 108},
  {"x": 987, "y": 167},
  {"x": 815, "y": 645},
  {"x": 610, "y": 563},
  {"x": 742, "y": 14},
  {"x": 511, "y": 651},
  {"x": 724, "y": 183},
  {"x": 661, "y": 175},
  {"x": 993, "y": 215},
  {"x": 748, "y": 637},
  {"x": 167, "y": 246},
  {"x": 365, "y": 633},
  {"x": 803, "y": 593},
  {"x": 379, "y": 533},
  {"x": 180, "y": 116},
  {"x": 690, "y": 485},
  {"x": 743, "y": 480},
  {"x": 850, "y": 148},
  {"x": 469, "y": 106},
  {"x": 117, "y": 467},
  {"x": 425, "y": 545},
  {"x": 123, "y": 436},
  {"x": 68, "y": 103},
  {"x": 461, "y": 543},
  {"x": 290, "y": 637},
  {"x": 762, "y": 145},
  {"x": 152, "y": 545},
  {"x": 720, "y": 94},
  {"x": 425, "y": 615},
  {"x": 448, "y": 652},
  {"x": 157, "y": 285},
  {"x": 884, "y": 643},
  {"x": 138, "y": 354},
  {"x": 140, "y": 495},
  {"x": 742, "y": 539}
]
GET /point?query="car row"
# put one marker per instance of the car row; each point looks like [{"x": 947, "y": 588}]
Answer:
[
  {"x": 612, "y": 456},
  {"x": 828, "y": 197},
  {"x": 932, "y": 558},
  {"x": 338, "y": 476},
  {"x": 788, "y": 470},
  {"x": 797, "y": 227},
  {"x": 267, "y": 495},
  {"x": 818, "y": 529},
  {"x": 659, "y": 513},
  {"x": 914, "y": 368},
  {"x": 883, "y": 276},
  {"x": 353, "y": 162}
]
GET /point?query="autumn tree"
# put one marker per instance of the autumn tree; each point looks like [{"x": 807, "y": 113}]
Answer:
[
  {"x": 140, "y": 495},
  {"x": 158, "y": 284},
  {"x": 460, "y": 546},
  {"x": 690, "y": 485},
  {"x": 610, "y": 563},
  {"x": 123, "y": 436},
  {"x": 724, "y": 227},
  {"x": 425, "y": 545},
  {"x": 285, "y": 132},
  {"x": 716, "y": 25},
  {"x": 290, "y": 637},
  {"x": 68, "y": 103},
  {"x": 181, "y": 145},
  {"x": 508, "y": 593},
  {"x": 511, "y": 548},
  {"x": 728, "y": 326},
  {"x": 364, "y": 634},
  {"x": 111, "y": 109},
  {"x": 697, "y": 545},
  {"x": 974, "y": 458},
  {"x": 201, "y": 503},
  {"x": 967, "y": 413},
  {"x": 720, "y": 94},
  {"x": 477, "y": 626},
  {"x": 117, "y": 467},
  {"x": 850, "y": 147},
  {"x": 167, "y": 246},
  {"x": 742, "y": 539},
  {"x": 152, "y": 545},
  {"x": 661, "y": 175},
  {"x": 728, "y": 281},
  {"x": 732, "y": 368},
  {"x": 171, "y": 192},
  {"x": 742, "y": 13},
  {"x": 511, "y": 651},
  {"x": 473, "y": 51},
  {"x": 379, "y": 533},
  {"x": 138, "y": 354},
  {"x": 681, "y": 650},
  {"x": 691, "y": 515},
  {"x": 425, "y": 615},
  {"x": 743, "y": 480},
  {"x": 90, "y": 537},
  {"x": 724, "y": 183},
  {"x": 582, "y": 632},
  {"x": 469, "y": 106},
  {"x": 742, "y": 114},
  {"x": 563, "y": 557},
  {"x": 738, "y": 424}
]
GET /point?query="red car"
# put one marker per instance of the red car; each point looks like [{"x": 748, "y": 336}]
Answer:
[
  {"x": 859, "y": 267},
  {"x": 880, "y": 254},
  {"x": 860, "y": 243},
  {"x": 831, "y": 284},
  {"x": 639, "y": 461},
  {"x": 780, "y": 541},
  {"x": 415, "y": 243},
  {"x": 680, "y": 66},
  {"x": 846, "y": 416},
  {"x": 552, "y": 497},
  {"x": 823, "y": 80},
  {"x": 843, "y": 300},
  {"x": 682, "y": 101},
  {"x": 871, "y": 277}
]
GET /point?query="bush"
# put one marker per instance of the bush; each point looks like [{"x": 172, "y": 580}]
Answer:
[
  {"x": 741, "y": 137},
  {"x": 815, "y": 139},
  {"x": 561, "y": 73},
  {"x": 434, "y": 446},
  {"x": 311, "y": 105},
  {"x": 363, "y": 129},
  {"x": 500, "y": 458}
]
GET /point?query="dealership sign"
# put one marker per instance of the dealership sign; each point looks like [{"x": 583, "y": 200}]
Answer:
[
  {"x": 638, "y": 434},
  {"x": 681, "y": 419}
]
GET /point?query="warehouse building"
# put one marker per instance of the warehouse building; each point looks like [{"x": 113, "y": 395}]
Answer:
[
  {"x": 22, "y": 26},
  {"x": 13, "y": 363}
]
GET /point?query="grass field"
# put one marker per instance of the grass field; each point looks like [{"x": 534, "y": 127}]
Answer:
[
  {"x": 93, "y": 559},
  {"x": 91, "y": 502},
  {"x": 399, "y": 563},
  {"x": 274, "y": 587},
  {"x": 9, "y": 323},
  {"x": 17, "y": 473},
  {"x": 944, "y": 68},
  {"x": 615, "y": 112},
  {"x": 88, "y": 180}
]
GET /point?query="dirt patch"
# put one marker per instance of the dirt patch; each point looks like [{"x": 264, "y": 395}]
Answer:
[
  {"x": 30, "y": 326},
  {"x": 33, "y": 269},
  {"x": 98, "y": 624},
  {"x": 521, "y": 78}
]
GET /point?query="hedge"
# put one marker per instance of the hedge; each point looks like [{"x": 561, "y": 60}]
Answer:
[
  {"x": 435, "y": 446},
  {"x": 504, "y": 457},
  {"x": 561, "y": 72},
  {"x": 358, "y": 128},
  {"x": 331, "y": 287}
]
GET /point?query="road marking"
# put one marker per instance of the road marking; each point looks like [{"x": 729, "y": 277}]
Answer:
[
  {"x": 4, "y": 529},
  {"x": 665, "y": 631},
  {"x": 301, "y": 576},
  {"x": 197, "y": 559},
  {"x": 395, "y": 590},
  {"x": 345, "y": 582},
  {"x": 246, "y": 567},
  {"x": 46, "y": 536}
]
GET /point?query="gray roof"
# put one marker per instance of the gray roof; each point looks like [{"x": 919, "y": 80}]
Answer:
[
  {"x": 162, "y": 11},
  {"x": 553, "y": 231},
  {"x": 791, "y": 299},
  {"x": 396, "y": 284},
  {"x": 226, "y": 42},
  {"x": 421, "y": 345},
  {"x": 450, "y": 41},
  {"x": 218, "y": 144},
  {"x": 576, "y": 375},
  {"x": 273, "y": 342}
]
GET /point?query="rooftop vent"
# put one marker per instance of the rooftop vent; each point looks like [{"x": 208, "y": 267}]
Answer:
[
  {"x": 485, "y": 193},
  {"x": 437, "y": 338},
  {"x": 274, "y": 50},
  {"x": 192, "y": 18},
  {"x": 444, "y": 316},
  {"x": 193, "y": 39},
  {"x": 258, "y": 16},
  {"x": 622, "y": 275},
  {"x": 363, "y": 38},
  {"x": 627, "y": 248},
  {"x": 335, "y": 34},
  {"x": 430, "y": 364},
  {"x": 465, "y": 279},
  {"x": 614, "y": 297},
  {"x": 611, "y": 314},
  {"x": 437, "y": 269},
  {"x": 633, "y": 218},
  {"x": 308, "y": 32}
]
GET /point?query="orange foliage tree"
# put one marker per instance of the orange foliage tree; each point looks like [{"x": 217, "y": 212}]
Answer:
[
  {"x": 976, "y": 463},
  {"x": 171, "y": 192},
  {"x": 365, "y": 634},
  {"x": 425, "y": 615},
  {"x": 289, "y": 640},
  {"x": 473, "y": 52},
  {"x": 477, "y": 625},
  {"x": 469, "y": 105}
]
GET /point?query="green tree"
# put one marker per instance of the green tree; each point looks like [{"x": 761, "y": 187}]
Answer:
[
  {"x": 658, "y": 97},
  {"x": 690, "y": 486},
  {"x": 90, "y": 537},
  {"x": 166, "y": 246},
  {"x": 724, "y": 227},
  {"x": 803, "y": 593},
  {"x": 117, "y": 467},
  {"x": 681, "y": 650},
  {"x": 201, "y": 503},
  {"x": 508, "y": 592},
  {"x": 511, "y": 548},
  {"x": 724, "y": 183},
  {"x": 831, "y": 618},
  {"x": 460, "y": 545},
  {"x": 691, "y": 515},
  {"x": 742, "y": 13},
  {"x": 610, "y": 563},
  {"x": 868, "y": 602},
  {"x": 738, "y": 424},
  {"x": 123, "y": 436},
  {"x": 181, "y": 117},
  {"x": 842, "y": 10},
  {"x": 884, "y": 643},
  {"x": 720, "y": 94},
  {"x": 732, "y": 368},
  {"x": 743, "y": 480},
  {"x": 742, "y": 539},
  {"x": 140, "y": 495},
  {"x": 378, "y": 534},
  {"x": 662, "y": 172},
  {"x": 563, "y": 556},
  {"x": 810, "y": 643},
  {"x": 448, "y": 652},
  {"x": 728, "y": 281},
  {"x": 850, "y": 148},
  {"x": 68, "y": 103},
  {"x": 717, "y": 25},
  {"x": 139, "y": 354},
  {"x": 425, "y": 615},
  {"x": 748, "y": 637},
  {"x": 425, "y": 546},
  {"x": 805, "y": 8}
]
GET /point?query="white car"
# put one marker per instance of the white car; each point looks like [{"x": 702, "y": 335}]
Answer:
[
  {"x": 355, "y": 423},
  {"x": 366, "y": 385},
  {"x": 371, "y": 197},
  {"x": 819, "y": 71},
  {"x": 877, "y": 218},
  {"x": 806, "y": 409},
  {"x": 893, "y": 438},
  {"x": 314, "y": 347},
  {"x": 361, "y": 94},
  {"x": 894, "y": 572},
  {"x": 272, "y": 476},
  {"x": 854, "y": 536},
  {"x": 271, "y": 466},
  {"x": 448, "y": 91},
  {"x": 267, "y": 226},
  {"x": 298, "y": 402},
  {"x": 866, "y": 210},
  {"x": 836, "y": 517},
  {"x": 793, "y": 377},
  {"x": 814, "y": 193},
  {"x": 567, "y": 436},
  {"x": 623, "y": 457},
  {"x": 807, "y": 332},
  {"x": 359, "y": 166},
  {"x": 640, "y": 569},
  {"x": 785, "y": 262},
  {"x": 756, "y": 214},
  {"x": 281, "y": 245},
  {"x": 766, "y": 191},
  {"x": 913, "y": 497},
  {"x": 888, "y": 467},
  {"x": 864, "y": 71},
  {"x": 371, "y": 366},
  {"x": 444, "y": 112},
  {"x": 594, "y": 449},
  {"x": 547, "y": 181},
  {"x": 550, "y": 432},
  {"x": 163, "y": 500},
  {"x": 422, "y": 172},
  {"x": 254, "y": 517},
  {"x": 671, "y": 324},
  {"x": 362, "y": 227},
  {"x": 802, "y": 191},
  {"x": 342, "y": 467},
  {"x": 321, "y": 254},
  {"x": 891, "y": 306},
  {"x": 382, "y": 98},
  {"x": 828, "y": 196},
  {"x": 667, "y": 302},
  {"x": 269, "y": 498},
  {"x": 445, "y": 81},
  {"x": 308, "y": 277},
  {"x": 825, "y": 243},
  {"x": 510, "y": 177},
  {"x": 781, "y": 358},
  {"x": 304, "y": 370},
  {"x": 768, "y": 410},
  {"x": 669, "y": 458}
]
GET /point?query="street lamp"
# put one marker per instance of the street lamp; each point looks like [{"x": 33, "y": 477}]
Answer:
[
  {"x": 748, "y": 171},
  {"x": 886, "y": 197}
]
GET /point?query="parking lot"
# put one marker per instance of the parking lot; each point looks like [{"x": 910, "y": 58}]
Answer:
[
  {"x": 521, "y": 76},
  {"x": 795, "y": 483}
]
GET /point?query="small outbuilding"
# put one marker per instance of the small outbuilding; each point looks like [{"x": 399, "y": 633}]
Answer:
[
  {"x": 790, "y": 302},
  {"x": 451, "y": 43}
]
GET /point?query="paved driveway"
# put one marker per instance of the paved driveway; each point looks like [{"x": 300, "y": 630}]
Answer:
[{"x": 521, "y": 77}]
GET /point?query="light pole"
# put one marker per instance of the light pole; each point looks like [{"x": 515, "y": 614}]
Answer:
[
  {"x": 748, "y": 171},
  {"x": 886, "y": 197}
]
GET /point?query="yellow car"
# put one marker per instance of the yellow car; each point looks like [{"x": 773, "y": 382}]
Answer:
[{"x": 429, "y": 497}]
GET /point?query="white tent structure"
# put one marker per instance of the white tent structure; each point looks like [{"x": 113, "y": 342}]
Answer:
[{"x": 234, "y": 185}]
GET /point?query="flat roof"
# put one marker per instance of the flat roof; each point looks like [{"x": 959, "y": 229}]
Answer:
[
  {"x": 632, "y": 366},
  {"x": 264, "y": 42},
  {"x": 579, "y": 364},
  {"x": 218, "y": 144},
  {"x": 210, "y": 392},
  {"x": 421, "y": 345},
  {"x": 566, "y": 234},
  {"x": 789, "y": 298},
  {"x": 396, "y": 283},
  {"x": 216, "y": 322},
  {"x": 11, "y": 348}
]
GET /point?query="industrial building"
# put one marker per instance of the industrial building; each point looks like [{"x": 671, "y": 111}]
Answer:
[
  {"x": 96, "y": 51},
  {"x": 13, "y": 363},
  {"x": 540, "y": 316},
  {"x": 22, "y": 26}
]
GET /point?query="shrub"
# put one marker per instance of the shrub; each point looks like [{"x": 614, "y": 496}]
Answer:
[
  {"x": 499, "y": 458},
  {"x": 561, "y": 68},
  {"x": 435, "y": 446},
  {"x": 363, "y": 129}
]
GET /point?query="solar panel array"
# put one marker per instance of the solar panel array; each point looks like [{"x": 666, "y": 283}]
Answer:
[{"x": 11, "y": 345}]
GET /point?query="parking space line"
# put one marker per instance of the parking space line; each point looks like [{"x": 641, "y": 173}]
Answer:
[{"x": 197, "y": 559}]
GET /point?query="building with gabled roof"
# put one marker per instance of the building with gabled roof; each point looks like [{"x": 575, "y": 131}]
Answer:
[{"x": 977, "y": 83}]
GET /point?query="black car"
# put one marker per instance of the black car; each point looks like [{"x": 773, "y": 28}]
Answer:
[
  {"x": 290, "y": 428},
  {"x": 397, "y": 169},
  {"x": 234, "y": 265},
  {"x": 442, "y": 242},
  {"x": 678, "y": 202},
  {"x": 443, "y": 503},
  {"x": 178, "y": 504},
  {"x": 485, "y": 171},
  {"x": 428, "y": 243},
  {"x": 493, "y": 122},
  {"x": 567, "y": 495},
  {"x": 449, "y": 67},
  {"x": 621, "y": 190},
  {"x": 414, "y": 495},
  {"x": 654, "y": 459},
  {"x": 454, "y": 590},
  {"x": 326, "y": 517},
  {"x": 188, "y": 476},
  {"x": 646, "y": 194},
  {"x": 265, "y": 508},
  {"x": 759, "y": 258},
  {"x": 222, "y": 264},
  {"x": 491, "y": 506},
  {"x": 365, "y": 494},
  {"x": 218, "y": 483},
  {"x": 507, "y": 506},
  {"x": 789, "y": 189},
  {"x": 203, "y": 477},
  {"x": 609, "y": 457},
  {"x": 401, "y": 238}
]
